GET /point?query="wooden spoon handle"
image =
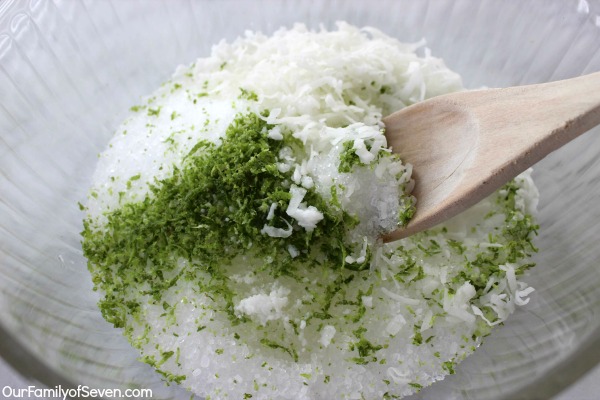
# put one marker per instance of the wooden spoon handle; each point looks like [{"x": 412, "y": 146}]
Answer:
[{"x": 521, "y": 125}]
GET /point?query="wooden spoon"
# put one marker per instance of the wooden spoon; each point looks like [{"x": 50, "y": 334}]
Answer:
[{"x": 464, "y": 146}]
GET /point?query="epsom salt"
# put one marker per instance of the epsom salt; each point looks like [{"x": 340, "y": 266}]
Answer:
[{"x": 231, "y": 226}]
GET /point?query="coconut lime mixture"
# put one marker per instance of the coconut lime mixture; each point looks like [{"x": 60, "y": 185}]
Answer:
[{"x": 232, "y": 226}]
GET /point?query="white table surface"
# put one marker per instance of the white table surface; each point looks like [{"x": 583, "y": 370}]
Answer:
[{"x": 587, "y": 388}]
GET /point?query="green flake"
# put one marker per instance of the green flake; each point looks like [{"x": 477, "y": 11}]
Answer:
[
  {"x": 273, "y": 345},
  {"x": 364, "y": 348},
  {"x": 449, "y": 366},
  {"x": 248, "y": 95},
  {"x": 348, "y": 157},
  {"x": 154, "y": 112}
]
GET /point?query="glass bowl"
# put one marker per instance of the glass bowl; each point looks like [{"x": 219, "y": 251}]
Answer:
[{"x": 69, "y": 70}]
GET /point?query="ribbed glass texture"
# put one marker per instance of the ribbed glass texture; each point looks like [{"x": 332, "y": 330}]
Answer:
[{"x": 69, "y": 70}]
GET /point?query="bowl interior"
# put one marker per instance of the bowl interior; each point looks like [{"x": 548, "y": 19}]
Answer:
[{"x": 70, "y": 70}]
